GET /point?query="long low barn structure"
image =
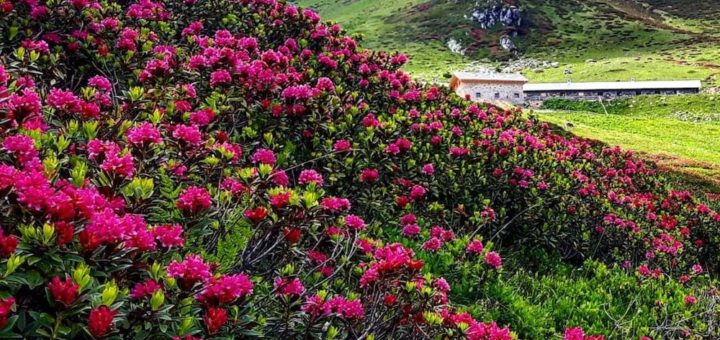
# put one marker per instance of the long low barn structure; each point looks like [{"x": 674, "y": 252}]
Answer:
[
  {"x": 608, "y": 90},
  {"x": 514, "y": 88}
]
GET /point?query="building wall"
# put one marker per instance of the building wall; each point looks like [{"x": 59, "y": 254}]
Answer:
[
  {"x": 493, "y": 91},
  {"x": 536, "y": 96}
]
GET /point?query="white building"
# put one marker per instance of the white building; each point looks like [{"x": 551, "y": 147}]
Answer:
[{"x": 489, "y": 87}]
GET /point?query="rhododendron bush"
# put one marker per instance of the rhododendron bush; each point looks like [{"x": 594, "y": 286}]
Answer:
[{"x": 199, "y": 169}]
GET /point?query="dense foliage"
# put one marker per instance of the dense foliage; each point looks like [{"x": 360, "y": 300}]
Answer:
[{"x": 237, "y": 169}]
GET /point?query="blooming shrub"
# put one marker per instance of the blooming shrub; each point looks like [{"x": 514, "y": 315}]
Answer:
[{"x": 194, "y": 169}]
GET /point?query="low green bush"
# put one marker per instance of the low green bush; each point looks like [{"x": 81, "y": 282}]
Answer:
[{"x": 608, "y": 300}]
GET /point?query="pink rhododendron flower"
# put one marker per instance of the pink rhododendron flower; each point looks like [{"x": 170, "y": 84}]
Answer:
[
  {"x": 335, "y": 204},
  {"x": 98, "y": 149},
  {"x": 189, "y": 134},
  {"x": 280, "y": 200},
  {"x": 202, "y": 117},
  {"x": 370, "y": 121},
  {"x": 577, "y": 333},
  {"x": 33, "y": 189},
  {"x": 417, "y": 192},
  {"x": 144, "y": 134},
  {"x": 408, "y": 219},
  {"x": 474, "y": 247},
  {"x": 487, "y": 331},
  {"x": 442, "y": 285},
  {"x": 369, "y": 175},
  {"x": 65, "y": 291},
  {"x": 310, "y": 176},
  {"x": 264, "y": 156},
  {"x": 120, "y": 165},
  {"x": 428, "y": 169},
  {"x": 22, "y": 146},
  {"x": 280, "y": 178},
  {"x": 193, "y": 28},
  {"x": 189, "y": 271},
  {"x": 342, "y": 146},
  {"x": 146, "y": 288},
  {"x": 169, "y": 235},
  {"x": 214, "y": 319},
  {"x": 354, "y": 222},
  {"x": 288, "y": 287},
  {"x": 220, "y": 77},
  {"x": 433, "y": 244},
  {"x": 194, "y": 200},
  {"x": 493, "y": 260},
  {"x": 256, "y": 214},
  {"x": 6, "y": 307},
  {"x": 232, "y": 149},
  {"x": 101, "y": 83},
  {"x": 316, "y": 256},
  {"x": 325, "y": 84},
  {"x": 225, "y": 289},
  {"x": 300, "y": 92},
  {"x": 63, "y": 100},
  {"x": 457, "y": 152},
  {"x": 148, "y": 10},
  {"x": 314, "y": 305},
  {"x": 100, "y": 320},
  {"x": 348, "y": 309},
  {"x": 234, "y": 186},
  {"x": 411, "y": 230}
]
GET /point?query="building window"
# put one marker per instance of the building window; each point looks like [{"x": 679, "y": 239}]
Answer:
[
  {"x": 497, "y": 95},
  {"x": 517, "y": 95},
  {"x": 478, "y": 95}
]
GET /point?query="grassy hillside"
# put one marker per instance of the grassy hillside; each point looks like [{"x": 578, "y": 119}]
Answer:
[
  {"x": 627, "y": 39},
  {"x": 388, "y": 25},
  {"x": 681, "y": 133}
]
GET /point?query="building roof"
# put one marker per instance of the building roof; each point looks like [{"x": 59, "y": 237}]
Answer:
[
  {"x": 488, "y": 76},
  {"x": 625, "y": 85}
]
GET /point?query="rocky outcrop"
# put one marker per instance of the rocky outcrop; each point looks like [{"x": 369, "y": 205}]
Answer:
[
  {"x": 455, "y": 46},
  {"x": 493, "y": 14},
  {"x": 496, "y": 14},
  {"x": 508, "y": 45}
]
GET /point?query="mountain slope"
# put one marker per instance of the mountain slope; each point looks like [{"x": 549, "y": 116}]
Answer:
[{"x": 628, "y": 39}]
